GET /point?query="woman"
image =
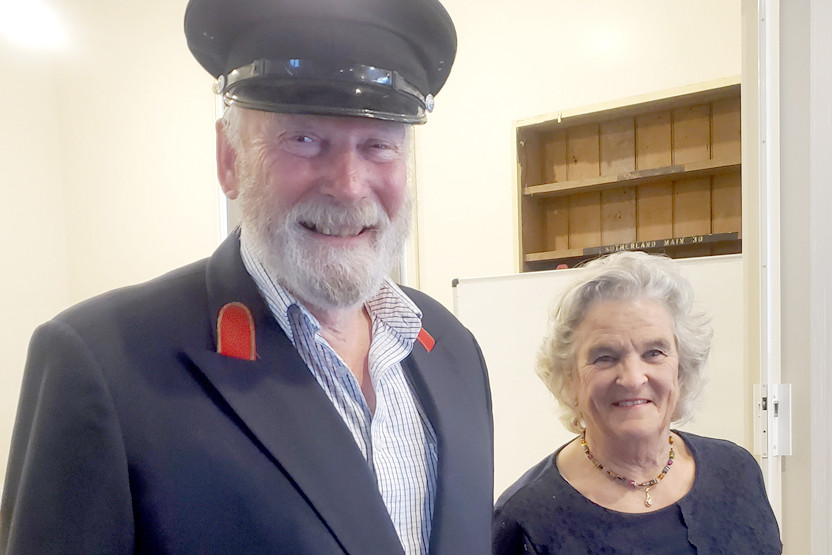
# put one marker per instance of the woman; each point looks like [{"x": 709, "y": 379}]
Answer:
[{"x": 624, "y": 357}]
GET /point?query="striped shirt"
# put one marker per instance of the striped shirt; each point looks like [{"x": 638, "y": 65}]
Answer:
[{"x": 397, "y": 440}]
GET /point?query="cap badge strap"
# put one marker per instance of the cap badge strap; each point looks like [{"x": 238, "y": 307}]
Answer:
[
  {"x": 235, "y": 332},
  {"x": 426, "y": 340}
]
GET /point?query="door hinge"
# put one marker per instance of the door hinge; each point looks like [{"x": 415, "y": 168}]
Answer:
[{"x": 772, "y": 419}]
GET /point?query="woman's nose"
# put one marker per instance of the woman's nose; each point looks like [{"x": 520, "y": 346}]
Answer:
[{"x": 631, "y": 372}]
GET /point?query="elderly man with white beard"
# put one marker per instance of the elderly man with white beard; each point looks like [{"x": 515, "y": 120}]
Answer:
[{"x": 284, "y": 395}]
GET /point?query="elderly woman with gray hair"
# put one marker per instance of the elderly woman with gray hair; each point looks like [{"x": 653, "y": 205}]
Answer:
[{"x": 624, "y": 357}]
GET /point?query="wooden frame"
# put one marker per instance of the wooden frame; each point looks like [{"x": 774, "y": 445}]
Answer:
[{"x": 659, "y": 174}]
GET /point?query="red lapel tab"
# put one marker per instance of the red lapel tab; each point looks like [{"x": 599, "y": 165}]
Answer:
[
  {"x": 235, "y": 332},
  {"x": 426, "y": 340}
]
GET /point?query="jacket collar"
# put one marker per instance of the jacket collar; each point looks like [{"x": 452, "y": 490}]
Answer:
[
  {"x": 275, "y": 392},
  {"x": 447, "y": 372},
  {"x": 272, "y": 395}
]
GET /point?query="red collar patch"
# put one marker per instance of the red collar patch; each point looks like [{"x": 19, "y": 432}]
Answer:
[
  {"x": 235, "y": 332},
  {"x": 426, "y": 340}
]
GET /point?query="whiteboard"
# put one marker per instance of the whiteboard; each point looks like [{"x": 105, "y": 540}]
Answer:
[{"x": 508, "y": 316}]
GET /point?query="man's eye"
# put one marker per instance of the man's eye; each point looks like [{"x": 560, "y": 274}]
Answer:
[
  {"x": 381, "y": 151},
  {"x": 302, "y": 145}
]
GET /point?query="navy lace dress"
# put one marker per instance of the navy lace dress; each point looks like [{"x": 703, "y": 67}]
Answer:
[{"x": 726, "y": 511}]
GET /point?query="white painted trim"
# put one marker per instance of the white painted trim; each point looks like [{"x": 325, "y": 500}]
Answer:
[
  {"x": 223, "y": 208},
  {"x": 222, "y": 216},
  {"x": 653, "y": 96},
  {"x": 410, "y": 256},
  {"x": 820, "y": 269},
  {"x": 769, "y": 224}
]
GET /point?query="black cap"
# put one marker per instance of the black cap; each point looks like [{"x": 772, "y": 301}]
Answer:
[{"x": 383, "y": 59}]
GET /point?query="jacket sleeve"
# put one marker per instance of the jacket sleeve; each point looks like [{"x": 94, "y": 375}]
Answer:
[{"x": 67, "y": 488}]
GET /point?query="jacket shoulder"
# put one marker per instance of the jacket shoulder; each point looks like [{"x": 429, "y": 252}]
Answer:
[
  {"x": 433, "y": 312},
  {"x": 173, "y": 287},
  {"x": 170, "y": 302},
  {"x": 425, "y": 301}
]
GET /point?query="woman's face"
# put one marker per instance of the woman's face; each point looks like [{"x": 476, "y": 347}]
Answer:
[{"x": 627, "y": 369}]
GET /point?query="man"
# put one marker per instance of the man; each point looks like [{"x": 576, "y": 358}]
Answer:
[{"x": 283, "y": 396}]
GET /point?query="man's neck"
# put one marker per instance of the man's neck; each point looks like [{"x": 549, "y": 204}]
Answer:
[{"x": 349, "y": 333}]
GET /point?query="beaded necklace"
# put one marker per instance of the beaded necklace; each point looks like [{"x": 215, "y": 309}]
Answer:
[{"x": 644, "y": 486}]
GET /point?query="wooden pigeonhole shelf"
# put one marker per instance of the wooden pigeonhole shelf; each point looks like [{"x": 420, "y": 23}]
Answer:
[{"x": 662, "y": 175}]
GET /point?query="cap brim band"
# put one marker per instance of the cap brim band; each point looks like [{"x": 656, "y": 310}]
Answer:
[{"x": 306, "y": 86}]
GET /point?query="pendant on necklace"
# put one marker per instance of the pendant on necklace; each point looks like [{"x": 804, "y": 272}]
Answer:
[{"x": 648, "y": 501}]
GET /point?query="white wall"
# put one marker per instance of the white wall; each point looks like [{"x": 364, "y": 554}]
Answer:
[
  {"x": 820, "y": 317},
  {"x": 805, "y": 201},
  {"x": 108, "y": 174},
  {"x": 136, "y": 132},
  {"x": 107, "y": 153},
  {"x": 529, "y": 57},
  {"x": 795, "y": 293},
  {"x": 107, "y": 148},
  {"x": 33, "y": 267}
]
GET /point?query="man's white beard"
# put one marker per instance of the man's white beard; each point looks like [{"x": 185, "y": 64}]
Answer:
[{"x": 325, "y": 277}]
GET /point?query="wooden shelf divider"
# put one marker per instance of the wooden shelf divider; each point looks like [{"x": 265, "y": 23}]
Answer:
[{"x": 634, "y": 178}]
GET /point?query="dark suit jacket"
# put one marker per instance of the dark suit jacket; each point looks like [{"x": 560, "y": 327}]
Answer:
[{"x": 134, "y": 434}]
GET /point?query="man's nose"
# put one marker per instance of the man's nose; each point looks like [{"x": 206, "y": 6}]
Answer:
[{"x": 348, "y": 181}]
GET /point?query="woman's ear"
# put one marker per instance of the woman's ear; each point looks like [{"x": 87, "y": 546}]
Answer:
[
  {"x": 570, "y": 388},
  {"x": 226, "y": 163}
]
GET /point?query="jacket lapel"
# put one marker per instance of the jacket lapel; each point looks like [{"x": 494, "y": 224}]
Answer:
[
  {"x": 281, "y": 404},
  {"x": 453, "y": 405}
]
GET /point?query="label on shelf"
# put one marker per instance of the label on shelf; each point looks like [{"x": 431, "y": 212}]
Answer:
[{"x": 664, "y": 243}]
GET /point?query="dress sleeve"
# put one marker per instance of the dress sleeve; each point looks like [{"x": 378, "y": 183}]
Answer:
[
  {"x": 508, "y": 537},
  {"x": 67, "y": 488}
]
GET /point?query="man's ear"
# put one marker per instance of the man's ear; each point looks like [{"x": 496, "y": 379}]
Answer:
[{"x": 226, "y": 163}]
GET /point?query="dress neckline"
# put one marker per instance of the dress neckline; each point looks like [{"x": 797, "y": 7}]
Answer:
[{"x": 559, "y": 477}]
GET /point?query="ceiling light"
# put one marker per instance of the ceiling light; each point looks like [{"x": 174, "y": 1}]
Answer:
[{"x": 31, "y": 24}]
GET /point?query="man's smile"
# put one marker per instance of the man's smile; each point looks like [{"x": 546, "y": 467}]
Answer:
[{"x": 343, "y": 231}]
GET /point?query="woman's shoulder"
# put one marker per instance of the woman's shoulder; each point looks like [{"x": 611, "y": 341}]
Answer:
[
  {"x": 539, "y": 509},
  {"x": 720, "y": 461},
  {"x": 728, "y": 509},
  {"x": 532, "y": 483},
  {"x": 715, "y": 451}
]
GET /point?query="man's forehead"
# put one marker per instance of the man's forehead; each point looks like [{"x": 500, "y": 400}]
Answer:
[{"x": 273, "y": 120}]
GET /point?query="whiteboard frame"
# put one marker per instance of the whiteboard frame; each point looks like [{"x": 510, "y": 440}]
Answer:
[{"x": 508, "y": 316}]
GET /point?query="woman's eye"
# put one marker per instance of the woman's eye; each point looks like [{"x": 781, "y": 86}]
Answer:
[
  {"x": 603, "y": 359},
  {"x": 653, "y": 353}
]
